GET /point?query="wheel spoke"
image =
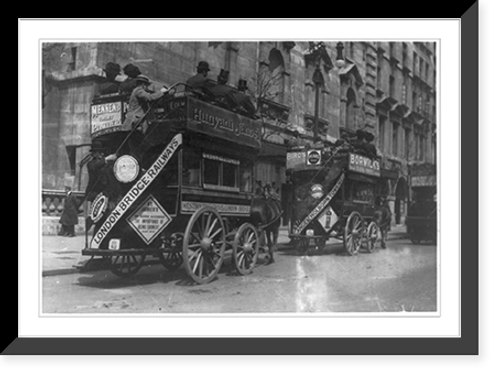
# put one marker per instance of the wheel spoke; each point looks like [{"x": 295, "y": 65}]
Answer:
[
  {"x": 201, "y": 267},
  {"x": 212, "y": 236},
  {"x": 240, "y": 257},
  {"x": 211, "y": 227},
  {"x": 249, "y": 236},
  {"x": 194, "y": 254},
  {"x": 195, "y": 267}
]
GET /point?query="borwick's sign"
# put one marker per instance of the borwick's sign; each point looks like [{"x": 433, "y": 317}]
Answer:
[
  {"x": 365, "y": 165},
  {"x": 136, "y": 191}
]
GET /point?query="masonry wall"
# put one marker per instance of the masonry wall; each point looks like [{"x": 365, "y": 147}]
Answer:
[{"x": 76, "y": 70}]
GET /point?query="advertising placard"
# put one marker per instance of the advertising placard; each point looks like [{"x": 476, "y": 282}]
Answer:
[
  {"x": 364, "y": 165},
  {"x": 105, "y": 118},
  {"x": 149, "y": 219},
  {"x": 216, "y": 121},
  {"x": 295, "y": 159}
]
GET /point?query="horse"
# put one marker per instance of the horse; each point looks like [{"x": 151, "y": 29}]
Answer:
[
  {"x": 382, "y": 217},
  {"x": 265, "y": 214}
]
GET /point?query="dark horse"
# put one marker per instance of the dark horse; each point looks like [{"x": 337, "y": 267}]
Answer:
[
  {"x": 265, "y": 215},
  {"x": 382, "y": 218}
]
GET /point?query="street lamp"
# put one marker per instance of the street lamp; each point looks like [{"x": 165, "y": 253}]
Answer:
[{"x": 320, "y": 54}]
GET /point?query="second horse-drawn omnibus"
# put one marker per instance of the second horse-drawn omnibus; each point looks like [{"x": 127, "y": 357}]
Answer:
[{"x": 334, "y": 193}]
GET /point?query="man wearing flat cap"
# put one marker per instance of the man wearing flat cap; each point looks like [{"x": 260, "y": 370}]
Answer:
[
  {"x": 111, "y": 85},
  {"x": 139, "y": 103}
]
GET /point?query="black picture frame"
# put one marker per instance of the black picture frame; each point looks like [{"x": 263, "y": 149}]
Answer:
[{"x": 466, "y": 344}]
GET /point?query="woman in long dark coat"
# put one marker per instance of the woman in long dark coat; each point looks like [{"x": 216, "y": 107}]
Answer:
[{"x": 69, "y": 216}]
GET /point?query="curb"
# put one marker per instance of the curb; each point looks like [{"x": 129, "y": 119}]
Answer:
[{"x": 80, "y": 268}]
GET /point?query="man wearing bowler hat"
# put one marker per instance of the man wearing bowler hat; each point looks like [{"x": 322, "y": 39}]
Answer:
[
  {"x": 139, "y": 103},
  {"x": 200, "y": 83},
  {"x": 98, "y": 176},
  {"x": 96, "y": 167}
]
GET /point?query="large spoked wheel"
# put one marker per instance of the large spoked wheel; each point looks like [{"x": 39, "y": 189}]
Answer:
[
  {"x": 245, "y": 248},
  {"x": 204, "y": 245},
  {"x": 353, "y": 233},
  {"x": 126, "y": 265},
  {"x": 371, "y": 237}
]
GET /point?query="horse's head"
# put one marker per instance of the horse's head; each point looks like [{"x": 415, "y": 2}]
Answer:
[
  {"x": 380, "y": 201},
  {"x": 267, "y": 191}
]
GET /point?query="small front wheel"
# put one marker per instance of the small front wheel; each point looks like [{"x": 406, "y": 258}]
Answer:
[
  {"x": 171, "y": 260},
  {"x": 303, "y": 245},
  {"x": 320, "y": 243},
  {"x": 126, "y": 265}
]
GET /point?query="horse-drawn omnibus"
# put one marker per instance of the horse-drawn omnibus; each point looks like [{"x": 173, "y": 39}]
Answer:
[
  {"x": 334, "y": 196},
  {"x": 181, "y": 191}
]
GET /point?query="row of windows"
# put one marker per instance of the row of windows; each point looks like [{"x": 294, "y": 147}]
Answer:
[
  {"x": 414, "y": 146},
  {"x": 210, "y": 171}
]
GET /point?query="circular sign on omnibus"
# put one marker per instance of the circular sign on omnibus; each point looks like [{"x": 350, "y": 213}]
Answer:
[
  {"x": 313, "y": 157},
  {"x": 126, "y": 168},
  {"x": 98, "y": 207},
  {"x": 317, "y": 191}
]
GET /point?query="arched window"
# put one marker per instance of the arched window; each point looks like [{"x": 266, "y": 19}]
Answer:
[
  {"x": 275, "y": 60},
  {"x": 350, "y": 113},
  {"x": 275, "y": 83}
]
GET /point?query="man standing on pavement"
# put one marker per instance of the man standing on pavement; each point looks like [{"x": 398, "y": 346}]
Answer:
[{"x": 69, "y": 216}]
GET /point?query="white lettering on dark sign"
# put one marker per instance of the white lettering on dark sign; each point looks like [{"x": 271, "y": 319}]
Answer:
[
  {"x": 316, "y": 211},
  {"x": 138, "y": 188},
  {"x": 365, "y": 165}
]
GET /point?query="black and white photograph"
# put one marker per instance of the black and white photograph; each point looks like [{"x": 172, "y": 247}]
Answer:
[
  {"x": 208, "y": 187},
  {"x": 240, "y": 177}
]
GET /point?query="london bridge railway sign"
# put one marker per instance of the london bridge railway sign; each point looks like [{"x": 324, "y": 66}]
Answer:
[{"x": 182, "y": 191}]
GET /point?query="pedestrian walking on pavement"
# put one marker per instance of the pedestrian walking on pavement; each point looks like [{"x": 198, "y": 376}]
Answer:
[{"x": 69, "y": 216}]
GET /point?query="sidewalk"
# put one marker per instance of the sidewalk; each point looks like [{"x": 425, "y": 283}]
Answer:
[{"x": 63, "y": 255}]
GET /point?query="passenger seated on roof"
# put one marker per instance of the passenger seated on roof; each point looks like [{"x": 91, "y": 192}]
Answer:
[
  {"x": 130, "y": 83},
  {"x": 243, "y": 100},
  {"x": 221, "y": 91},
  {"x": 110, "y": 85},
  {"x": 200, "y": 83}
]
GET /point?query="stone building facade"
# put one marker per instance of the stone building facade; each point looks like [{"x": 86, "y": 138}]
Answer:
[{"x": 387, "y": 88}]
